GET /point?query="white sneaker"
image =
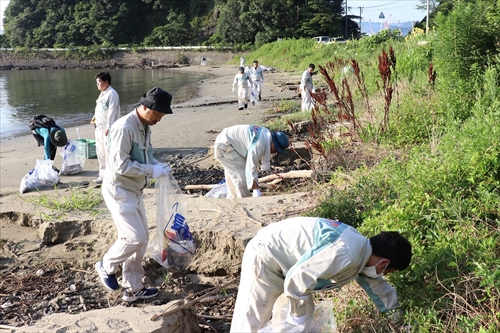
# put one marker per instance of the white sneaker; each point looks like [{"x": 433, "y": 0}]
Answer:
[{"x": 98, "y": 180}]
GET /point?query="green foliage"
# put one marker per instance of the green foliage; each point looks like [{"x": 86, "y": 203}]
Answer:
[
  {"x": 463, "y": 46},
  {"x": 175, "y": 33},
  {"x": 382, "y": 37},
  {"x": 105, "y": 23},
  {"x": 265, "y": 21},
  {"x": 283, "y": 113}
]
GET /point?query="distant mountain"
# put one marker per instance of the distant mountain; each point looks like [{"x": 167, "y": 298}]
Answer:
[{"x": 374, "y": 27}]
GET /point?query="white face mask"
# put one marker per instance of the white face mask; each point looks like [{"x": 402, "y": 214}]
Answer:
[{"x": 371, "y": 271}]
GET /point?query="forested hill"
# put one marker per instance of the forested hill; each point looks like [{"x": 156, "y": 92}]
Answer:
[{"x": 108, "y": 23}]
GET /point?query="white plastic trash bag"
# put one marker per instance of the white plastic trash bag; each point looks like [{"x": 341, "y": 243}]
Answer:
[
  {"x": 323, "y": 321},
  {"x": 73, "y": 155},
  {"x": 219, "y": 191},
  {"x": 173, "y": 246},
  {"x": 253, "y": 97},
  {"x": 42, "y": 176}
]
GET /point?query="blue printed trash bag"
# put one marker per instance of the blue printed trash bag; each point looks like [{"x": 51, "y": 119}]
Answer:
[
  {"x": 73, "y": 155},
  {"x": 173, "y": 246}
]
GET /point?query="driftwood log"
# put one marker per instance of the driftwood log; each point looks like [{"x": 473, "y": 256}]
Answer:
[{"x": 264, "y": 182}]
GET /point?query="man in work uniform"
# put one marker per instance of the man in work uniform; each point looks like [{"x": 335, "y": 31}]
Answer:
[
  {"x": 257, "y": 76},
  {"x": 300, "y": 255},
  {"x": 306, "y": 87},
  {"x": 241, "y": 80},
  {"x": 129, "y": 164},
  {"x": 107, "y": 111},
  {"x": 239, "y": 149}
]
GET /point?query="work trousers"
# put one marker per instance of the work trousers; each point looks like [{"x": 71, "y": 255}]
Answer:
[
  {"x": 129, "y": 216},
  {"x": 242, "y": 96},
  {"x": 234, "y": 169},
  {"x": 256, "y": 87},
  {"x": 100, "y": 148},
  {"x": 261, "y": 285},
  {"x": 307, "y": 102}
]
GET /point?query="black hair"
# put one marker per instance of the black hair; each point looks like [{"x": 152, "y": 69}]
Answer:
[
  {"x": 104, "y": 76},
  {"x": 393, "y": 246},
  {"x": 312, "y": 66},
  {"x": 255, "y": 61}
]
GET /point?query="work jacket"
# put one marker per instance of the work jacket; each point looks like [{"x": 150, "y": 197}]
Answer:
[
  {"x": 252, "y": 143},
  {"x": 130, "y": 155},
  {"x": 241, "y": 80},
  {"x": 306, "y": 82},
  {"x": 42, "y": 136},
  {"x": 319, "y": 254},
  {"x": 107, "y": 108},
  {"x": 256, "y": 74}
]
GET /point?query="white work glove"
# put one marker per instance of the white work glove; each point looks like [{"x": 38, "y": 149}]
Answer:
[
  {"x": 256, "y": 193},
  {"x": 232, "y": 90},
  {"x": 296, "y": 321},
  {"x": 160, "y": 170}
]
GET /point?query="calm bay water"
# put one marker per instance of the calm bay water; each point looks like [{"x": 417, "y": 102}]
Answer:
[{"x": 69, "y": 96}]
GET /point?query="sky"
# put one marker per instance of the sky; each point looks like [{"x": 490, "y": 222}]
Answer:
[
  {"x": 394, "y": 11},
  {"x": 3, "y": 5}
]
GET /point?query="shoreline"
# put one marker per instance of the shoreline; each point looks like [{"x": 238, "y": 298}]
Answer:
[
  {"x": 84, "y": 120},
  {"x": 193, "y": 126}
]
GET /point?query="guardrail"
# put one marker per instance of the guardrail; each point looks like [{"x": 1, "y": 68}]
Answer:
[{"x": 167, "y": 48}]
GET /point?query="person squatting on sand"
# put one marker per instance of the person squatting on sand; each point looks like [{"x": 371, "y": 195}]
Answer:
[
  {"x": 129, "y": 164},
  {"x": 300, "y": 255},
  {"x": 239, "y": 149},
  {"x": 49, "y": 135}
]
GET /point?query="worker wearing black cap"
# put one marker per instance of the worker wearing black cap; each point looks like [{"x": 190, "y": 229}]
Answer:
[{"x": 129, "y": 164}]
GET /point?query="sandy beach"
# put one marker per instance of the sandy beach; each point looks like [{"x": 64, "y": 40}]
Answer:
[
  {"x": 193, "y": 126},
  {"x": 37, "y": 237}
]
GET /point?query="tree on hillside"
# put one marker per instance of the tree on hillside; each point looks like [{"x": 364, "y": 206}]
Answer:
[
  {"x": 263, "y": 21},
  {"x": 443, "y": 6},
  {"x": 176, "y": 32},
  {"x": 62, "y": 23}
]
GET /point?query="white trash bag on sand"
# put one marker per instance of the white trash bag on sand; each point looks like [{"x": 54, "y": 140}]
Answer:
[
  {"x": 219, "y": 191},
  {"x": 42, "y": 176},
  {"x": 323, "y": 321}
]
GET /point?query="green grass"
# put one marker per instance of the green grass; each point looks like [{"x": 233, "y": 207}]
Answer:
[{"x": 77, "y": 200}]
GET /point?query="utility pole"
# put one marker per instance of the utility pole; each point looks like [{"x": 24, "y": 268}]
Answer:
[
  {"x": 346, "y": 23},
  {"x": 426, "y": 19},
  {"x": 360, "y": 12}
]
